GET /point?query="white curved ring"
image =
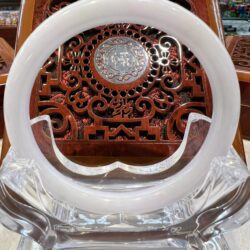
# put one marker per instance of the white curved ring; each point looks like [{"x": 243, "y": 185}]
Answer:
[{"x": 87, "y": 14}]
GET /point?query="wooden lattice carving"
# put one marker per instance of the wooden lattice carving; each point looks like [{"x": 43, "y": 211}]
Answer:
[
  {"x": 102, "y": 103},
  {"x": 241, "y": 53}
]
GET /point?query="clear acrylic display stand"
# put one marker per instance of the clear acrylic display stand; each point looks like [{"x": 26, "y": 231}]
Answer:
[
  {"x": 184, "y": 202},
  {"x": 197, "y": 220}
]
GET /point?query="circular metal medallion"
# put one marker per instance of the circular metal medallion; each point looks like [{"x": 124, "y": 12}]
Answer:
[{"x": 121, "y": 60}]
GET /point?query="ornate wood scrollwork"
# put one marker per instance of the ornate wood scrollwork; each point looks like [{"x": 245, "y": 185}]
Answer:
[
  {"x": 122, "y": 83},
  {"x": 241, "y": 53}
]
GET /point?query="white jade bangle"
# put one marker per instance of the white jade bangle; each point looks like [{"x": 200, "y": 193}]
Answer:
[{"x": 84, "y": 15}]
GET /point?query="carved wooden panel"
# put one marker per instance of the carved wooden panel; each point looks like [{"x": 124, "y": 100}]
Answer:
[
  {"x": 239, "y": 49},
  {"x": 207, "y": 10},
  {"x": 123, "y": 84},
  {"x": 240, "y": 52}
]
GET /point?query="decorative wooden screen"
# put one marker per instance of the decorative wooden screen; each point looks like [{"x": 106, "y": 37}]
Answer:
[
  {"x": 239, "y": 49},
  {"x": 120, "y": 90}
]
